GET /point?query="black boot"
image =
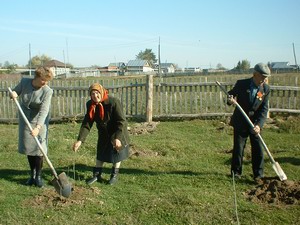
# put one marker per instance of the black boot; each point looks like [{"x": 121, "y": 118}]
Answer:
[
  {"x": 31, "y": 161},
  {"x": 39, "y": 165},
  {"x": 38, "y": 180},
  {"x": 113, "y": 176},
  {"x": 31, "y": 180},
  {"x": 97, "y": 171}
]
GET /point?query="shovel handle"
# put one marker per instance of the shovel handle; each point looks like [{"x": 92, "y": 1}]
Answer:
[
  {"x": 248, "y": 120},
  {"x": 222, "y": 88},
  {"x": 36, "y": 139}
]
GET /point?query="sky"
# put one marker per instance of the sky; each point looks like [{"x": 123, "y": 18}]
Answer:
[{"x": 190, "y": 33}]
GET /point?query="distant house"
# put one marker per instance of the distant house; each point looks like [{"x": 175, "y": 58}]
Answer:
[
  {"x": 281, "y": 66},
  {"x": 190, "y": 69},
  {"x": 167, "y": 67},
  {"x": 57, "y": 67},
  {"x": 138, "y": 65},
  {"x": 103, "y": 69},
  {"x": 118, "y": 68}
]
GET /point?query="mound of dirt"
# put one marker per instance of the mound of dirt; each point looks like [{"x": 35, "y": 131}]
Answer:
[
  {"x": 135, "y": 151},
  {"x": 50, "y": 198},
  {"x": 276, "y": 192},
  {"x": 142, "y": 128}
]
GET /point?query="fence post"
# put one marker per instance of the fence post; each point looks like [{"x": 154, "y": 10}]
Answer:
[
  {"x": 149, "y": 94},
  {"x": 268, "y": 113}
]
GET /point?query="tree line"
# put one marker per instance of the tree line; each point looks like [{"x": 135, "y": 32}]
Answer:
[{"x": 147, "y": 54}]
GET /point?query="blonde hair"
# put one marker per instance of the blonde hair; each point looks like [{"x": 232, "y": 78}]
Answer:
[{"x": 44, "y": 72}]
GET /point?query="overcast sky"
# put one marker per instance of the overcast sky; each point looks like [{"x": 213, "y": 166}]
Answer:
[{"x": 192, "y": 33}]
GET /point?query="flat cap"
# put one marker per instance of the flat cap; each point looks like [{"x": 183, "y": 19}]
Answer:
[{"x": 263, "y": 69}]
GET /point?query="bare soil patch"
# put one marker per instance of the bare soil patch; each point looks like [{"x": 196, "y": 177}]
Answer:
[
  {"x": 142, "y": 128},
  {"x": 273, "y": 191},
  {"x": 138, "y": 152},
  {"x": 50, "y": 198}
]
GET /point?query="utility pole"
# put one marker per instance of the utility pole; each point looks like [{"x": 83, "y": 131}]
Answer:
[
  {"x": 65, "y": 63},
  {"x": 67, "y": 50},
  {"x": 29, "y": 60},
  {"x": 159, "y": 68},
  {"x": 295, "y": 56}
]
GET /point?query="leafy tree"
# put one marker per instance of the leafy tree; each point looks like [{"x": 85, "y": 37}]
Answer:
[
  {"x": 220, "y": 67},
  {"x": 244, "y": 65},
  {"x": 69, "y": 65},
  {"x": 95, "y": 66},
  {"x": 11, "y": 67},
  {"x": 238, "y": 66},
  {"x": 38, "y": 60},
  {"x": 147, "y": 55},
  {"x": 6, "y": 64}
]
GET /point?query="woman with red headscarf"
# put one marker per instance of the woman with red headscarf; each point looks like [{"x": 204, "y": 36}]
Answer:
[{"x": 113, "y": 137}]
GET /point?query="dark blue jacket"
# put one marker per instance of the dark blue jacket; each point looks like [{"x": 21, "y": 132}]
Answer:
[{"x": 256, "y": 110}]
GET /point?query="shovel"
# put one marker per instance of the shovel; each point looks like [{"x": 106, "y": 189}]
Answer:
[
  {"x": 276, "y": 167},
  {"x": 60, "y": 182}
]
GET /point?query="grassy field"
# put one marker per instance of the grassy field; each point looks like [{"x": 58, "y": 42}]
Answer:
[{"x": 177, "y": 174}]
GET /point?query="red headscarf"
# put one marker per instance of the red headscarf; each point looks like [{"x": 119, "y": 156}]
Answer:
[{"x": 104, "y": 96}]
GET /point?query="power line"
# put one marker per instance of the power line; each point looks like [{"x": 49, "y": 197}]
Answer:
[{"x": 14, "y": 52}]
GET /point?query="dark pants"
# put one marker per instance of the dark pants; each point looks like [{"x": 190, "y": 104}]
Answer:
[{"x": 257, "y": 154}]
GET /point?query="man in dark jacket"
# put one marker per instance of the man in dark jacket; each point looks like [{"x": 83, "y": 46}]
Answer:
[{"x": 252, "y": 95}]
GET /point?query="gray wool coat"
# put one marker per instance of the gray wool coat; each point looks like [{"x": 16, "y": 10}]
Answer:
[{"x": 35, "y": 104}]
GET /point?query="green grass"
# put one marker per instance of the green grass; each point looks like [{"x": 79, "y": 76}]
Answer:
[{"x": 180, "y": 177}]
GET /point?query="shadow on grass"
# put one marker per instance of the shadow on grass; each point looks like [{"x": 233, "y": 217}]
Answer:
[
  {"x": 82, "y": 172},
  {"x": 21, "y": 176},
  {"x": 82, "y": 169},
  {"x": 15, "y": 176},
  {"x": 292, "y": 160}
]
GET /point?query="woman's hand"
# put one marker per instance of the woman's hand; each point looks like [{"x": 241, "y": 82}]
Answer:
[
  {"x": 35, "y": 131},
  {"x": 13, "y": 94},
  {"x": 117, "y": 144},
  {"x": 76, "y": 146}
]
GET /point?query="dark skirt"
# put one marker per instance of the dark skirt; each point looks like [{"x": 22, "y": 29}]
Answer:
[{"x": 111, "y": 155}]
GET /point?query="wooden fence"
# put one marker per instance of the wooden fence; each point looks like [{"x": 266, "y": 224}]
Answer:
[{"x": 146, "y": 98}]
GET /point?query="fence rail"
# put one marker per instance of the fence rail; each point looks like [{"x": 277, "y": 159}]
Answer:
[{"x": 143, "y": 98}]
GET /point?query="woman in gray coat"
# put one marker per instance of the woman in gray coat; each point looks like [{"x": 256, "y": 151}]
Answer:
[
  {"x": 35, "y": 99},
  {"x": 113, "y": 137}
]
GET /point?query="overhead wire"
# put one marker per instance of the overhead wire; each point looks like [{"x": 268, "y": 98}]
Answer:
[{"x": 14, "y": 52}]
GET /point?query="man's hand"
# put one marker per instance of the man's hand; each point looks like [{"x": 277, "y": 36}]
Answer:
[
  {"x": 256, "y": 129},
  {"x": 230, "y": 99}
]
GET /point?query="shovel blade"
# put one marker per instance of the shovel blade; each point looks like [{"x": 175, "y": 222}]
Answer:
[
  {"x": 277, "y": 168},
  {"x": 62, "y": 185}
]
